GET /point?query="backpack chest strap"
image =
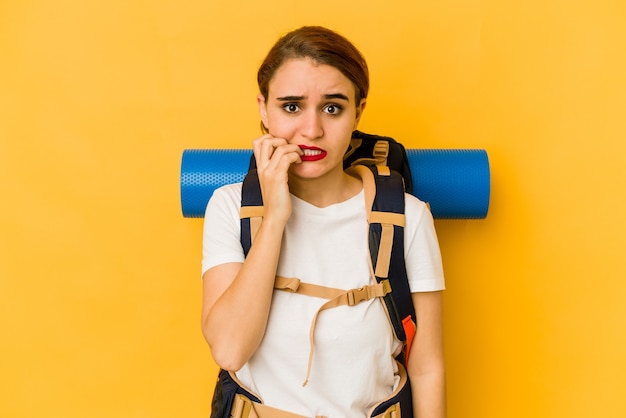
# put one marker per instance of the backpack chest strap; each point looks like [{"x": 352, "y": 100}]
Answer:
[{"x": 336, "y": 297}]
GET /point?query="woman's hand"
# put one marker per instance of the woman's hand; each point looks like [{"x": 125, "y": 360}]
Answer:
[{"x": 273, "y": 157}]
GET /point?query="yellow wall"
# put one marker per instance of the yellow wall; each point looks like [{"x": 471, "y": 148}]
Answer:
[{"x": 99, "y": 272}]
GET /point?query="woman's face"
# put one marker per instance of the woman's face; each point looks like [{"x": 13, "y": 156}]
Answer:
[{"x": 312, "y": 105}]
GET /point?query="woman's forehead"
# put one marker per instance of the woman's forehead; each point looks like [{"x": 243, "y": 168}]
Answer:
[{"x": 303, "y": 76}]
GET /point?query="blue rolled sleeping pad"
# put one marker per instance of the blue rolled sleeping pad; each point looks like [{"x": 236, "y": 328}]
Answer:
[{"x": 454, "y": 182}]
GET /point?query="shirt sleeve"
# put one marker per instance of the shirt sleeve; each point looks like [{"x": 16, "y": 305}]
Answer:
[
  {"x": 421, "y": 248},
  {"x": 220, "y": 237}
]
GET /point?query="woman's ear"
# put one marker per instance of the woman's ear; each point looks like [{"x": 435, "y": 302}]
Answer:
[
  {"x": 260, "y": 99},
  {"x": 359, "y": 111}
]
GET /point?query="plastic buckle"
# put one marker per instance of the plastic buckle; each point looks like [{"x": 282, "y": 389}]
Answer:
[
  {"x": 381, "y": 150},
  {"x": 386, "y": 286},
  {"x": 242, "y": 407},
  {"x": 356, "y": 296}
]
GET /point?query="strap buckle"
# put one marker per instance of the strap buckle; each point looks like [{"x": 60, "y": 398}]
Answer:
[
  {"x": 356, "y": 296},
  {"x": 242, "y": 407},
  {"x": 381, "y": 151}
]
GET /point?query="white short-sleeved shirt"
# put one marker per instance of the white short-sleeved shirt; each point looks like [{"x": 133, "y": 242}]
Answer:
[{"x": 353, "y": 365}]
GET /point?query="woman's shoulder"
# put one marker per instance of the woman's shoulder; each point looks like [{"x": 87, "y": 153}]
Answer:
[
  {"x": 414, "y": 206},
  {"x": 418, "y": 214},
  {"x": 228, "y": 192},
  {"x": 227, "y": 196}
]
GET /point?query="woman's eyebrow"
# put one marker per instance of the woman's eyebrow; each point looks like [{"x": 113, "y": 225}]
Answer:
[
  {"x": 337, "y": 96},
  {"x": 340, "y": 96},
  {"x": 290, "y": 98}
]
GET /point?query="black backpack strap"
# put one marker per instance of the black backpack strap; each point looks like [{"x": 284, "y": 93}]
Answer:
[
  {"x": 251, "y": 211},
  {"x": 386, "y": 237},
  {"x": 368, "y": 149},
  {"x": 386, "y": 244}
]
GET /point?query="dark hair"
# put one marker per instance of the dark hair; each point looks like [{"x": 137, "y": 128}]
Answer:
[{"x": 323, "y": 46}]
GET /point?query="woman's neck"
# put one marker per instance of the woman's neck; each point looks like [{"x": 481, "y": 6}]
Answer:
[{"x": 327, "y": 190}]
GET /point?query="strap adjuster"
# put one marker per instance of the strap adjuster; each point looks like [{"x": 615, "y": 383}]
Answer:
[
  {"x": 356, "y": 296},
  {"x": 381, "y": 151}
]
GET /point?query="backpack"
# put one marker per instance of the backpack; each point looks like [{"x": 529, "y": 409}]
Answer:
[{"x": 382, "y": 164}]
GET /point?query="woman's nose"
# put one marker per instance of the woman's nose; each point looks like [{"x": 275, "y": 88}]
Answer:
[{"x": 312, "y": 125}]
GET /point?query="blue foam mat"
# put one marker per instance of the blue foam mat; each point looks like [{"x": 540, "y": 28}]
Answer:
[{"x": 455, "y": 182}]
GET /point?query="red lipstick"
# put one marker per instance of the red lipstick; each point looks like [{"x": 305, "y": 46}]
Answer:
[{"x": 312, "y": 153}]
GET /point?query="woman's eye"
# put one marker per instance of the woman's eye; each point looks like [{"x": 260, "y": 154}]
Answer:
[
  {"x": 332, "y": 109},
  {"x": 291, "y": 107}
]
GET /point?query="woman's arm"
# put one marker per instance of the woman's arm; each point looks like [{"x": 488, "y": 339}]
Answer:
[
  {"x": 426, "y": 367},
  {"x": 237, "y": 296}
]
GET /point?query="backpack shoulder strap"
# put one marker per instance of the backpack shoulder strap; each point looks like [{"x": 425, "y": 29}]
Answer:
[
  {"x": 384, "y": 194},
  {"x": 251, "y": 212}
]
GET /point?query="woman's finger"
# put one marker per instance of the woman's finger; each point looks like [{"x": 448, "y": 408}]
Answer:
[{"x": 270, "y": 153}]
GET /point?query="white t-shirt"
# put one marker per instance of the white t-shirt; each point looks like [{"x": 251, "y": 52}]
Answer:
[{"x": 353, "y": 365}]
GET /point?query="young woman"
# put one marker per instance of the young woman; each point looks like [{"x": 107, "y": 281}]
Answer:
[{"x": 313, "y": 89}]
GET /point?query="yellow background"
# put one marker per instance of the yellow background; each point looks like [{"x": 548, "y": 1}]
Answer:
[{"x": 99, "y": 272}]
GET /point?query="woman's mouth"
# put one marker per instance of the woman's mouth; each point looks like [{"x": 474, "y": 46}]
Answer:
[{"x": 312, "y": 153}]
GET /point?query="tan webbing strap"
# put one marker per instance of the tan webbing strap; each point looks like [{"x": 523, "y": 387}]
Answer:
[
  {"x": 388, "y": 218},
  {"x": 251, "y": 212},
  {"x": 384, "y": 170},
  {"x": 289, "y": 284},
  {"x": 384, "y": 251},
  {"x": 337, "y": 297},
  {"x": 369, "y": 185},
  {"x": 387, "y": 221},
  {"x": 255, "y": 213},
  {"x": 245, "y": 408}
]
